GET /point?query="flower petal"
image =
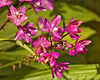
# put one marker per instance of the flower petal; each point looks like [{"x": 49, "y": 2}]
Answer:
[
  {"x": 52, "y": 62},
  {"x": 47, "y": 23},
  {"x": 55, "y": 54},
  {"x": 23, "y": 18},
  {"x": 56, "y": 20},
  {"x": 45, "y": 43},
  {"x": 13, "y": 10},
  {"x": 22, "y": 10},
  {"x": 34, "y": 43},
  {"x": 17, "y": 22},
  {"x": 27, "y": 38},
  {"x": 84, "y": 42},
  {"x": 52, "y": 71},
  {"x": 19, "y": 35},
  {"x": 58, "y": 74},
  {"x": 49, "y": 5},
  {"x": 72, "y": 52}
]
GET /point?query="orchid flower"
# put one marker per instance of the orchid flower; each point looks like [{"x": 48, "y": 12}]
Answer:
[
  {"x": 25, "y": 0},
  {"x": 41, "y": 26},
  {"x": 47, "y": 4},
  {"x": 37, "y": 5},
  {"x": 79, "y": 47},
  {"x": 58, "y": 69},
  {"x": 40, "y": 45},
  {"x": 17, "y": 16},
  {"x": 44, "y": 57},
  {"x": 5, "y": 2},
  {"x": 53, "y": 27},
  {"x": 25, "y": 32}
]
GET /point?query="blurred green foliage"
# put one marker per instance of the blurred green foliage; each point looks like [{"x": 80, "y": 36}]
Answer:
[{"x": 86, "y": 10}]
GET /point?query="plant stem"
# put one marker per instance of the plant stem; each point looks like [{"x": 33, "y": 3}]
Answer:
[
  {"x": 19, "y": 4},
  {"x": 29, "y": 8},
  {"x": 4, "y": 24},
  {"x": 64, "y": 35},
  {"x": 8, "y": 8}
]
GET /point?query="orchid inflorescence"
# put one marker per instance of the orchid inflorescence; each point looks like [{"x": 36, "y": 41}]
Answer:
[{"x": 43, "y": 46}]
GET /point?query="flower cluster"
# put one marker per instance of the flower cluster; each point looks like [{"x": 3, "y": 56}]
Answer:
[{"x": 44, "y": 46}]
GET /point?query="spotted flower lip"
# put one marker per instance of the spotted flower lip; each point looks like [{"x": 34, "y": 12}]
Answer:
[
  {"x": 44, "y": 57},
  {"x": 17, "y": 15},
  {"x": 41, "y": 44},
  {"x": 58, "y": 69},
  {"x": 79, "y": 47},
  {"x": 25, "y": 32},
  {"x": 48, "y": 4},
  {"x": 53, "y": 27},
  {"x": 37, "y": 5},
  {"x": 41, "y": 26},
  {"x": 5, "y": 2},
  {"x": 25, "y": 0}
]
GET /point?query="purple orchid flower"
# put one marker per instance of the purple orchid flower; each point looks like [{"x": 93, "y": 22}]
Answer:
[
  {"x": 72, "y": 28},
  {"x": 44, "y": 57},
  {"x": 37, "y": 5},
  {"x": 25, "y": 32},
  {"x": 67, "y": 45},
  {"x": 17, "y": 16},
  {"x": 47, "y": 4},
  {"x": 5, "y": 2},
  {"x": 41, "y": 26},
  {"x": 53, "y": 27},
  {"x": 79, "y": 47},
  {"x": 25, "y": 0},
  {"x": 58, "y": 69},
  {"x": 40, "y": 45}
]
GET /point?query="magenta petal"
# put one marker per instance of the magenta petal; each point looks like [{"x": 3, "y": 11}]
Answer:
[
  {"x": 8, "y": 2},
  {"x": 55, "y": 34},
  {"x": 49, "y": 5},
  {"x": 71, "y": 20},
  {"x": 78, "y": 55},
  {"x": 41, "y": 38},
  {"x": 41, "y": 9},
  {"x": 27, "y": 38},
  {"x": 74, "y": 36},
  {"x": 23, "y": 18},
  {"x": 40, "y": 19},
  {"x": 52, "y": 62},
  {"x": 17, "y": 22},
  {"x": 45, "y": 43},
  {"x": 56, "y": 20},
  {"x": 34, "y": 43},
  {"x": 2, "y": 4},
  {"x": 32, "y": 31},
  {"x": 22, "y": 10},
  {"x": 76, "y": 23},
  {"x": 11, "y": 17},
  {"x": 58, "y": 74},
  {"x": 59, "y": 47},
  {"x": 55, "y": 39},
  {"x": 84, "y": 42},
  {"x": 19, "y": 35},
  {"x": 55, "y": 54},
  {"x": 47, "y": 23},
  {"x": 37, "y": 51},
  {"x": 72, "y": 52},
  {"x": 52, "y": 72},
  {"x": 19, "y": 27},
  {"x": 41, "y": 59},
  {"x": 13, "y": 10}
]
